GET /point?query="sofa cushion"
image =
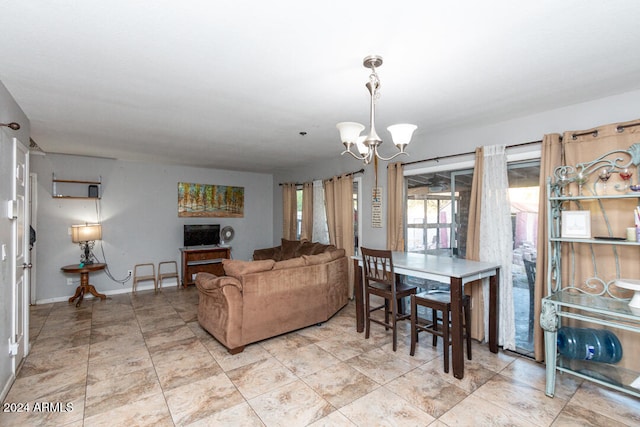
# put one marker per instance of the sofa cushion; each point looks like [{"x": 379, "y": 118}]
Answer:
[
  {"x": 289, "y": 248},
  {"x": 207, "y": 282},
  {"x": 237, "y": 268},
  {"x": 317, "y": 259},
  {"x": 337, "y": 253},
  {"x": 289, "y": 263}
]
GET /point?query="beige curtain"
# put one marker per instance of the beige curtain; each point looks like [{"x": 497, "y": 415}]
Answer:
[
  {"x": 330, "y": 203},
  {"x": 473, "y": 247},
  {"x": 338, "y": 193},
  {"x": 551, "y": 157},
  {"x": 307, "y": 211},
  {"x": 289, "y": 211},
  {"x": 395, "y": 202}
]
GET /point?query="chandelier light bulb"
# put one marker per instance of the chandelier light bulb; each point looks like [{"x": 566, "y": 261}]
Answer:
[{"x": 362, "y": 147}]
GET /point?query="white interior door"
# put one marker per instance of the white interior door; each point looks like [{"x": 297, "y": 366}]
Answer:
[
  {"x": 33, "y": 220},
  {"x": 20, "y": 243}
]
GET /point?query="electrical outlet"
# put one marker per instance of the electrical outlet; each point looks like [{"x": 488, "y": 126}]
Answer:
[
  {"x": 130, "y": 273},
  {"x": 69, "y": 282}
]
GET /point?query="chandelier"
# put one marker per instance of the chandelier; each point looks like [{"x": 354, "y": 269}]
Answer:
[{"x": 367, "y": 145}]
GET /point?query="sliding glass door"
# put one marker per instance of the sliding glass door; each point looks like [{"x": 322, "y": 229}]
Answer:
[{"x": 437, "y": 217}]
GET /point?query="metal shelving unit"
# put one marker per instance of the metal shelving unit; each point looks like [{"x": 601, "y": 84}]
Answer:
[{"x": 596, "y": 300}]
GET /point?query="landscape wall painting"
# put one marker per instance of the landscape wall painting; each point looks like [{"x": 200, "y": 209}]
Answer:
[{"x": 206, "y": 200}]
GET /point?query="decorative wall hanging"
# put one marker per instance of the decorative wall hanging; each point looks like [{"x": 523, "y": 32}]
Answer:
[
  {"x": 376, "y": 208},
  {"x": 206, "y": 200}
]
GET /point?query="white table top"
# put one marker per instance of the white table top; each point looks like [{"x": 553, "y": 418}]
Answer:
[{"x": 440, "y": 268}]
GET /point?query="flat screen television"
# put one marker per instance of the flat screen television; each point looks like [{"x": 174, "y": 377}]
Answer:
[{"x": 201, "y": 234}]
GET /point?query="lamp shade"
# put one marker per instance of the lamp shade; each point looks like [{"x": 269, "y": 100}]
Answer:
[
  {"x": 349, "y": 131},
  {"x": 86, "y": 233},
  {"x": 401, "y": 134}
]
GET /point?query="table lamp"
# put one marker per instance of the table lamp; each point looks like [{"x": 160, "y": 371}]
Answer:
[{"x": 86, "y": 235}]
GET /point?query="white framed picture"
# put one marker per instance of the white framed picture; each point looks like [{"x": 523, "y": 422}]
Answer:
[{"x": 576, "y": 224}]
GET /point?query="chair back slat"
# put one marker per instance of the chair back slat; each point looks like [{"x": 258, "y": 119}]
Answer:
[{"x": 378, "y": 265}]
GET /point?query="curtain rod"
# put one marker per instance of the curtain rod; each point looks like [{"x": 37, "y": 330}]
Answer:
[
  {"x": 437, "y": 159},
  {"x": 349, "y": 173},
  {"x": 594, "y": 133}
]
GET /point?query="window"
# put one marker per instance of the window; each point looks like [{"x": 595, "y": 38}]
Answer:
[
  {"x": 437, "y": 207},
  {"x": 357, "y": 226},
  {"x": 299, "y": 213}
]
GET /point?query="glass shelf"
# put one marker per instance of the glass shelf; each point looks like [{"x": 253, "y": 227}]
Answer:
[
  {"x": 630, "y": 195},
  {"x": 595, "y": 241},
  {"x": 595, "y": 303},
  {"x": 603, "y": 373}
]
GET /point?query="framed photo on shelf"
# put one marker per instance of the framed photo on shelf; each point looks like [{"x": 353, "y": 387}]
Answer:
[{"x": 576, "y": 224}]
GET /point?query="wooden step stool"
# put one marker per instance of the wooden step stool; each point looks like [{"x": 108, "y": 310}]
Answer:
[
  {"x": 171, "y": 270},
  {"x": 144, "y": 268}
]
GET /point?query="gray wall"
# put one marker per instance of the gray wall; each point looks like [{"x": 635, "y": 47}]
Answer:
[
  {"x": 9, "y": 112},
  {"x": 426, "y": 144},
  {"x": 139, "y": 215}
]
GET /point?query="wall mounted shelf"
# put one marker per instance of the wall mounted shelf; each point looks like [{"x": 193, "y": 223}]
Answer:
[{"x": 75, "y": 189}]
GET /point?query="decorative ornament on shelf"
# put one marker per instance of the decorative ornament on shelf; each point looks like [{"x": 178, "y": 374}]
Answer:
[
  {"x": 632, "y": 285},
  {"x": 597, "y": 173}
]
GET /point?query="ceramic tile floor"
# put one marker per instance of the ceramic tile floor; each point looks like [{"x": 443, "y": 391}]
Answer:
[{"x": 144, "y": 360}]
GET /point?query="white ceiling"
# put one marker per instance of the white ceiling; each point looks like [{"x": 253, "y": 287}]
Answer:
[{"x": 232, "y": 84}]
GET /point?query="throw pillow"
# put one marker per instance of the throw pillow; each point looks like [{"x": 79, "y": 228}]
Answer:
[
  {"x": 268, "y": 253},
  {"x": 289, "y": 248},
  {"x": 237, "y": 268},
  {"x": 305, "y": 248}
]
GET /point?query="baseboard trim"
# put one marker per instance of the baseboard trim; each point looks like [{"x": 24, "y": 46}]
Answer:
[
  {"x": 145, "y": 287},
  {"x": 7, "y": 387}
]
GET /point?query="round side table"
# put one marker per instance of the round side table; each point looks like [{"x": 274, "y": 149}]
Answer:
[{"x": 84, "y": 280}]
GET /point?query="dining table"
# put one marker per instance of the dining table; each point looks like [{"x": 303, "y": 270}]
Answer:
[{"x": 455, "y": 271}]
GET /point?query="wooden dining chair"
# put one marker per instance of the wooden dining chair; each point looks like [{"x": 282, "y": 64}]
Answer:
[
  {"x": 440, "y": 304},
  {"x": 530, "y": 269},
  {"x": 380, "y": 280}
]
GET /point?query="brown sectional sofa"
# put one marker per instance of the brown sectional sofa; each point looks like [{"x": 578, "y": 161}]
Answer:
[{"x": 289, "y": 287}]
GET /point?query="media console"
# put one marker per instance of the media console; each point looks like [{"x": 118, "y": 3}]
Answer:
[{"x": 202, "y": 259}]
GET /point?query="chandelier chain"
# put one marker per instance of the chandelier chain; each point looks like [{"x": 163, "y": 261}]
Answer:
[{"x": 375, "y": 84}]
